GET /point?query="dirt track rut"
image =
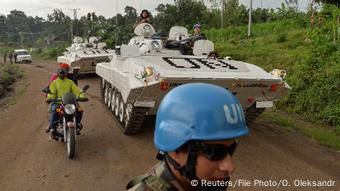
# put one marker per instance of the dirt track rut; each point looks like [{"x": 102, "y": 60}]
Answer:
[{"x": 106, "y": 159}]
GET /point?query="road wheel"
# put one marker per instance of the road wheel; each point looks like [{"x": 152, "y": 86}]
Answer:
[
  {"x": 71, "y": 143},
  {"x": 109, "y": 97},
  {"x": 117, "y": 102},
  {"x": 113, "y": 100},
  {"x": 133, "y": 119},
  {"x": 127, "y": 114},
  {"x": 106, "y": 94},
  {"x": 103, "y": 82},
  {"x": 102, "y": 87},
  {"x": 121, "y": 110}
]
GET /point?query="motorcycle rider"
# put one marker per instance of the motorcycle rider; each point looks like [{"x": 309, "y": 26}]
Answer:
[
  {"x": 197, "y": 127},
  {"x": 68, "y": 75},
  {"x": 58, "y": 88}
]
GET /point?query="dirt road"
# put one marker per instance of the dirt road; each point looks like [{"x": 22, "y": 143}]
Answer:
[{"x": 106, "y": 159}]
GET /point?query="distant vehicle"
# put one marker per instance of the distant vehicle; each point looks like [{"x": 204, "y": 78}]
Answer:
[
  {"x": 138, "y": 77},
  {"x": 83, "y": 56},
  {"x": 22, "y": 56}
]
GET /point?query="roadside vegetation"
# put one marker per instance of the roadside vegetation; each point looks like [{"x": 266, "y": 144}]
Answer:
[
  {"x": 310, "y": 53},
  {"x": 49, "y": 53},
  {"x": 9, "y": 73}
]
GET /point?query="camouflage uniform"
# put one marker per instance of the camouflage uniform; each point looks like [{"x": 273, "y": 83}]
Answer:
[{"x": 159, "y": 178}]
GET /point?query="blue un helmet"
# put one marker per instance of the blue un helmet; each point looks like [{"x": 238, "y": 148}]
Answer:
[
  {"x": 196, "y": 26},
  {"x": 198, "y": 111}
]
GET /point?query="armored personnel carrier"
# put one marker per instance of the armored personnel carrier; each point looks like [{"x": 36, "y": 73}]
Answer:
[
  {"x": 137, "y": 78},
  {"x": 83, "y": 56}
]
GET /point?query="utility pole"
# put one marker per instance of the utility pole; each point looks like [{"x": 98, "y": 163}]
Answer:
[
  {"x": 261, "y": 4},
  {"x": 222, "y": 14},
  {"x": 116, "y": 12},
  {"x": 140, "y": 5},
  {"x": 116, "y": 36},
  {"x": 71, "y": 22},
  {"x": 250, "y": 20},
  {"x": 21, "y": 34},
  {"x": 71, "y": 30}
]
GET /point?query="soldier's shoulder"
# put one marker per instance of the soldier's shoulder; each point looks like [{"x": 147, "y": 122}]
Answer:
[
  {"x": 149, "y": 183},
  {"x": 139, "y": 187}
]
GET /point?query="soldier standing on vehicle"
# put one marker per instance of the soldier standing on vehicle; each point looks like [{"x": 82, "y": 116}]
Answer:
[
  {"x": 186, "y": 47},
  {"x": 143, "y": 18},
  {"x": 197, "y": 127}
]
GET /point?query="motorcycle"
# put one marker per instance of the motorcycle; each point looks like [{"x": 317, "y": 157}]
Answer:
[{"x": 67, "y": 126}]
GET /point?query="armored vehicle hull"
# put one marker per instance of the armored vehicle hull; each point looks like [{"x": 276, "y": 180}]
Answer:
[
  {"x": 134, "y": 82},
  {"x": 126, "y": 91},
  {"x": 83, "y": 57}
]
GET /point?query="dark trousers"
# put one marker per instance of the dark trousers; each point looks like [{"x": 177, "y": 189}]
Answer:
[{"x": 54, "y": 116}]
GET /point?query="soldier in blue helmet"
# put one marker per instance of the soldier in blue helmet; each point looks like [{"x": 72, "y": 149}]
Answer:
[
  {"x": 197, "y": 128},
  {"x": 187, "y": 46}
]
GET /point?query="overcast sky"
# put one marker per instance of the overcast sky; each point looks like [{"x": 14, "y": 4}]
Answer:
[{"x": 104, "y": 7}]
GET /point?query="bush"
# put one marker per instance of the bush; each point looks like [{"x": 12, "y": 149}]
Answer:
[
  {"x": 310, "y": 56},
  {"x": 8, "y": 74},
  {"x": 51, "y": 52},
  {"x": 316, "y": 80},
  {"x": 281, "y": 37}
]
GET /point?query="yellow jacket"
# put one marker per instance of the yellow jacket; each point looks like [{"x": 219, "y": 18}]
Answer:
[{"x": 60, "y": 87}]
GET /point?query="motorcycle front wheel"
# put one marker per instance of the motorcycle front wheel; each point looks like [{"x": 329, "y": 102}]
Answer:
[{"x": 71, "y": 142}]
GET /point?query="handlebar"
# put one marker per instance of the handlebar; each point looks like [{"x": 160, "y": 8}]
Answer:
[
  {"x": 83, "y": 99},
  {"x": 59, "y": 99}
]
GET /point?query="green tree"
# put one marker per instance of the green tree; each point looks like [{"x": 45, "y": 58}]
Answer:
[
  {"x": 334, "y": 2},
  {"x": 183, "y": 12},
  {"x": 58, "y": 26}
]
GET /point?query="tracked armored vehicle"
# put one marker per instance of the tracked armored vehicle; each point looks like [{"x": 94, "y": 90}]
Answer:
[
  {"x": 83, "y": 56},
  {"x": 136, "y": 80}
]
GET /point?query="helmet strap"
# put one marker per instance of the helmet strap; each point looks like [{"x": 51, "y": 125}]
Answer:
[{"x": 189, "y": 170}]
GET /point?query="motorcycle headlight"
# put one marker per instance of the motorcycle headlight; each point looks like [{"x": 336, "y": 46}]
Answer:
[{"x": 70, "y": 109}]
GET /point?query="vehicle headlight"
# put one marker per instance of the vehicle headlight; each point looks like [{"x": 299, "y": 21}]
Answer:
[
  {"x": 155, "y": 45},
  {"x": 146, "y": 28},
  {"x": 70, "y": 109}
]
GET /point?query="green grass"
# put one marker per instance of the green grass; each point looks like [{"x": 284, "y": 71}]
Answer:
[
  {"x": 267, "y": 48},
  {"x": 9, "y": 73},
  {"x": 319, "y": 132},
  {"x": 20, "y": 91},
  {"x": 313, "y": 71},
  {"x": 50, "y": 53}
]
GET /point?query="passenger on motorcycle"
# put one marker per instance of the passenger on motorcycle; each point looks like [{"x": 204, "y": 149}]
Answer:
[{"x": 58, "y": 88}]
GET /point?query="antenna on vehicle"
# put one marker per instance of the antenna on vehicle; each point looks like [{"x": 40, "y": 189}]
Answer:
[
  {"x": 140, "y": 5},
  {"x": 116, "y": 37}
]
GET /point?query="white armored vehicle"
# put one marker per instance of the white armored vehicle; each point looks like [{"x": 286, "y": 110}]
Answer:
[
  {"x": 136, "y": 79},
  {"x": 83, "y": 56}
]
